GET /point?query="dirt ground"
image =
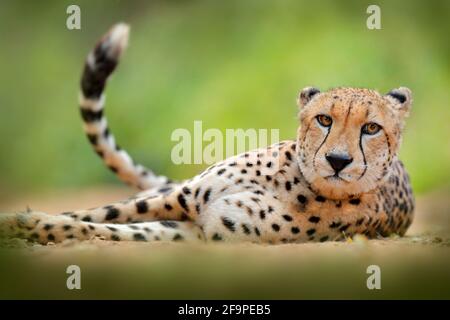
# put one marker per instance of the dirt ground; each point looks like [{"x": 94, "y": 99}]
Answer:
[{"x": 415, "y": 266}]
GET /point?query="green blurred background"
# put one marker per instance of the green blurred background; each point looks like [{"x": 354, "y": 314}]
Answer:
[{"x": 232, "y": 64}]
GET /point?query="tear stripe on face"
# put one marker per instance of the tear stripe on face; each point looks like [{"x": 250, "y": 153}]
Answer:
[{"x": 320, "y": 146}]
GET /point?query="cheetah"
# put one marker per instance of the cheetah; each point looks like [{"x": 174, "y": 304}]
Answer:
[{"x": 341, "y": 176}]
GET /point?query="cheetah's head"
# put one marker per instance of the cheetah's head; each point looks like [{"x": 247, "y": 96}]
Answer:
[{"x": 349, "y": 137}]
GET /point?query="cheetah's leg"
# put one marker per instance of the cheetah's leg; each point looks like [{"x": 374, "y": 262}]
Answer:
[
  {"x": 171, "y": 205},
  {"x": 44, "y": 228},
  {"x": 239, "y": 217}
]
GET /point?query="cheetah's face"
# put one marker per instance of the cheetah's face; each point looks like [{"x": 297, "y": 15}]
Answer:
[{"x": 348, "y": 138}]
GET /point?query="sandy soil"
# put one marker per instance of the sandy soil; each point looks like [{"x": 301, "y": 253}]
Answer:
[{"x": 415, "y": 266}]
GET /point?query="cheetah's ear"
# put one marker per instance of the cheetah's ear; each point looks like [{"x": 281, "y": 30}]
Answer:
[
  {"x": 306, "y": 95},
  {"x": 401, "y": 99}
]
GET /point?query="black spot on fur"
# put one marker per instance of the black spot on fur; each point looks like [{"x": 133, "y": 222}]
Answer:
[
  {"x": 257, "y": 232},
  {"x": 67, "y": 227},
  {"x": 111, "y": 228},
  {"x": 323, "y": 239},
  {"x": 355, "y": 201},
  {"x": 178, "y": 237},
  {"x": 287, "y": 217},
  {"x": 115, "y": 237},
  {"x": 262, "y": 214},
  {"x": 288, "y": 185},
  {"x": 310, "y": 232},
  {"x": 246, "y": 229},
  {"x": 334, "y": 225},
  {"x": 186, "y": 190},
  {"x": 254, "y": 199},
  {"x": 206, "y": 195},
  {"x": 182, "y": 202},
  {"x": 112, "y": 213},
  {"x": 48, "y": 226},
  {"x": 320, "y": 199},
  {"x": 221, "y": 171},
  {"x": 141, "y": 207},
  {"x": 165, "y": 190},
  {"x": 86, "y": 219},
  {"x": 295, "y": 230},
  {"x": 50, "y": 237},
  {"x": 169, "y": 224},
  {"x": 217, "y": 237},
  {"x": 139, "y": 237},
  {"x": 230, "y": 225},
  {"x": 314, "y": 219},
  {"x": 288, "y": 155},
  {"x": 302, "y": 199},
  {"x": 275, "y": 227}
]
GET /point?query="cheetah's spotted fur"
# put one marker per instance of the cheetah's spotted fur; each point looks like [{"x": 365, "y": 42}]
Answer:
[{"x": 288, "y": 192}]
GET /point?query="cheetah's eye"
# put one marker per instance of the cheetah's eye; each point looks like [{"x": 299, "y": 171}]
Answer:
[
  {"x": 324, "y": 120},
  {"x": 371, "y": 128}
]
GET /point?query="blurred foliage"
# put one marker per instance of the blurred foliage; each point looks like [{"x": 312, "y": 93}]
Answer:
[{"x": 232, "y": 64}]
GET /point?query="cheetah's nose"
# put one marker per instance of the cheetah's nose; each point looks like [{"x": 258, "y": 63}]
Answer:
[{"x": 338, "y": 162}]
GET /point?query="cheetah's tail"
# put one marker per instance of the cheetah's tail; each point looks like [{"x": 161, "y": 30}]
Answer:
[{"x": 100, "y": 64}]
